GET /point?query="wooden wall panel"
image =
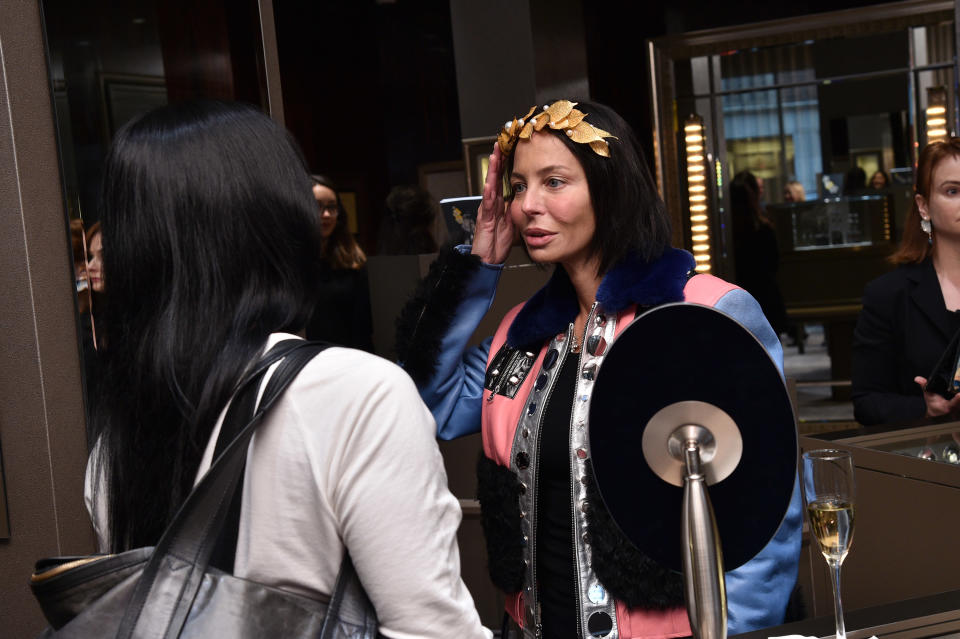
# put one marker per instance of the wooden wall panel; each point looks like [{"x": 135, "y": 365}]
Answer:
[{"x": 41, "y": 407}]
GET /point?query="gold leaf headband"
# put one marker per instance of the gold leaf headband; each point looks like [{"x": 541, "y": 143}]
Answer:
[{"x": 560, "y": 116}]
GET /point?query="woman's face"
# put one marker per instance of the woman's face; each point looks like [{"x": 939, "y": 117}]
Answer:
[
  {"x": 942, "y": 204},
  {"x": 788, "y": 194},
  {"x": 551, "y": 205},
  {"x": 95, "y": 263},
  {"x": 878, "y": 181},
  {"x": 327, "y": 201}
]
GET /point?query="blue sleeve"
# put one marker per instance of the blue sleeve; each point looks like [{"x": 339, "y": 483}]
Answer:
[
  {"x": 454, "y": 393},
  {"x": 742, "y": 307},
  {"x": 758, "y": 591}
]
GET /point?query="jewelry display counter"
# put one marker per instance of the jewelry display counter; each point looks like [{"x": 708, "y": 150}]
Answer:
[
  {"x": 901, "y": 576},
  {"x": 829, "y": 249},
  {"x": 932, "y": 616}
]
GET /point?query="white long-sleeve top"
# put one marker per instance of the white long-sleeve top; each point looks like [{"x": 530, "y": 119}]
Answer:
[{"x": 348, "y": 457}]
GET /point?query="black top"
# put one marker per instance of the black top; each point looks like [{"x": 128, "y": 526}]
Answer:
[
  {"x": 756, "y": 260},
  {"x": 901, "y": 332},
  {"x": 342, "y": 312},
  {"x": 555, "y": 554}
]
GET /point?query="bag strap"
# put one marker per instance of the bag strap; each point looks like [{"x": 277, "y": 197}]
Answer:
[
  {"x": 347, "y": 585},
  {"x": 240, "y": 411},
  {"x": 191, "y": 536}
]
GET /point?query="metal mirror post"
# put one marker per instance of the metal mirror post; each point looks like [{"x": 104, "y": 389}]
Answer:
[{"x": 702, "y": 556}]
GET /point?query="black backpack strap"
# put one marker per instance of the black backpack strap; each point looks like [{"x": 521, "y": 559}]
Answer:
[{"x": 182, "y": 555}]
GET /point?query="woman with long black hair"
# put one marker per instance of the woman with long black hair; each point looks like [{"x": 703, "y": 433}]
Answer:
[{"x": 211, "y": 239}]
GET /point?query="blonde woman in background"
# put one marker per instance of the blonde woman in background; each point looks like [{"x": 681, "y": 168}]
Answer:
[{"x": 793, "y": 192}]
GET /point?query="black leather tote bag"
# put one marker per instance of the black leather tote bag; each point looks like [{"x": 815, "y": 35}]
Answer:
[{"x": 171, "y": 590}]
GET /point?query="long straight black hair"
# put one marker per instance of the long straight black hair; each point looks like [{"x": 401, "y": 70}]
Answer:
[{"x": 211, "y": 242}]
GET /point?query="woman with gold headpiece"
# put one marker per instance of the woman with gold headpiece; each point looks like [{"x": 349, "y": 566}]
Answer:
[{"x": 581, "y": 198}]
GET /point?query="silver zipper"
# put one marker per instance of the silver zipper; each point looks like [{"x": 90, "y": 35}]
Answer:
[
  {"x": 536, "y": 482},
  {"x": 573, "y": 497}
]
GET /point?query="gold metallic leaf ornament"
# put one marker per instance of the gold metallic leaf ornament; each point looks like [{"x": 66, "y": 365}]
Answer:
[{"x": 560, "y": 116}]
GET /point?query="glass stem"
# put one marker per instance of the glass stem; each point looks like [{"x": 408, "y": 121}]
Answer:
[{"x": 837, "y": 606}]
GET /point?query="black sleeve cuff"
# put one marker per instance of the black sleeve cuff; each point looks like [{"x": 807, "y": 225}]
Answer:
[{"x": 427, "y": 316}]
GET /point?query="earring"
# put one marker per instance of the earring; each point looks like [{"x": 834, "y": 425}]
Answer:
[{"x": 927, "y": 228}]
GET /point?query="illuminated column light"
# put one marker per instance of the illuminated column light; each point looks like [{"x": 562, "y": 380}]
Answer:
[
  {"x": 936, "y": 114},
  {"x": 697, "y": 195}
]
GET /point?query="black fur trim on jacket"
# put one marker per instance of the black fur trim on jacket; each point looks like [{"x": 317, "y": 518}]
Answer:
[
  {"x": 631, "y": 281},
  {"x": 498, "y": 490},
  {"x": 426, "y": 317},
  {"x": 629, "y": 574}
]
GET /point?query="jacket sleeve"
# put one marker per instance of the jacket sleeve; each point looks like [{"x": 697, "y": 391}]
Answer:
[
  {"x": 758, "y": 591},
  {"x": 433, "y": 331},
  {"x": 876, "y": 396}
]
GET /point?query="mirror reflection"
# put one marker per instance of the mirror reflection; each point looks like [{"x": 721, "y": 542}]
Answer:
[
  {"x": 825, "y": 137},
  {"x": 110, "y": 62}
]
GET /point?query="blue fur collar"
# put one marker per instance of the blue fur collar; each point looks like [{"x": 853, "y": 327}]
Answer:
[{"x": 553, "y": 307}]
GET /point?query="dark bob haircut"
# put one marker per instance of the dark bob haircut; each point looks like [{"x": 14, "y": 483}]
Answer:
[
  {"x": 211, "y": 243},
  {"x": 631, "y": 217}
]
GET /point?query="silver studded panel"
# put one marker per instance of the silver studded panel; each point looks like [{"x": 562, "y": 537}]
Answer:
[
  {"x": 598, "y": 615},
  {"x": 523, "y": 461}
]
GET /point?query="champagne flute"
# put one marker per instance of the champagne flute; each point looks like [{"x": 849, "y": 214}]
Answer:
[{"x": 829, "y": 493}]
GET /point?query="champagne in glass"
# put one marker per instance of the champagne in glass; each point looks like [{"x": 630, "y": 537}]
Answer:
[
  {"x": 831, "y": 521},
  {"x": 828, "y": 492}
]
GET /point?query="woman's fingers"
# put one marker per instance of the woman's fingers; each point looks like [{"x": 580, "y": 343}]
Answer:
[
  {"x": 494, "y": 232},
  {"x": 492, "y": 191},
  {"x": 490, "y": 213}
]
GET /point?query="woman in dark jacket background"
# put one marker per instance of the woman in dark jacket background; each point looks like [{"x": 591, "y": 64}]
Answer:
[
  {"x": 910, "y": 314},
  {"x": 342, "y": 312}
]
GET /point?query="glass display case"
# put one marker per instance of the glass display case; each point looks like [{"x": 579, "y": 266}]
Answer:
[
  {"x": 942, "y": 447},
  {"x": 908, "y": 487},
  {"x": 928, "y": 442},
  {"x": 830, "y": 223}
]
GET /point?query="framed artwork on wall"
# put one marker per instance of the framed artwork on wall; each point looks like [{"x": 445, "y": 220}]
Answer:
[
  {"x": 476, "y": 157},
  {"x": 125, "y": 96},
  {"x": 349, "y": 201}
]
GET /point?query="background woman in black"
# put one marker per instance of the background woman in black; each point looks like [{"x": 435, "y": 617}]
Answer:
[
  {"x": 755, "y": 254},
  {"x": 342, "y": 313}
]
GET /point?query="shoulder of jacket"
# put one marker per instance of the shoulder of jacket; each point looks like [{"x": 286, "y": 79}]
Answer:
[
  {"x": 894, "y": 283},
  {"x": 706, "y": 289}
]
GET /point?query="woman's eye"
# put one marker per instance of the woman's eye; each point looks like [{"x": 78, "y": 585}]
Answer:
[
  {"x": 518, "y": 187},
  {"x": 554, "y": 182},
  {"x": 952, "y": 191}
]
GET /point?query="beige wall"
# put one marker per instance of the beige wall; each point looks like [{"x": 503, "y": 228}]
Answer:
[{"x": 41, "y": 408}]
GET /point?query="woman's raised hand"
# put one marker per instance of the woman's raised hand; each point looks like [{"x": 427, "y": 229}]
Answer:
[
  {"x": 936, "y": 404},
  {"x": 495, "y": 232}
]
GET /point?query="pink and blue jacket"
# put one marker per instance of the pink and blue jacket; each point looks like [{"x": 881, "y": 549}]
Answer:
[{"x": 497, "y": 385}]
